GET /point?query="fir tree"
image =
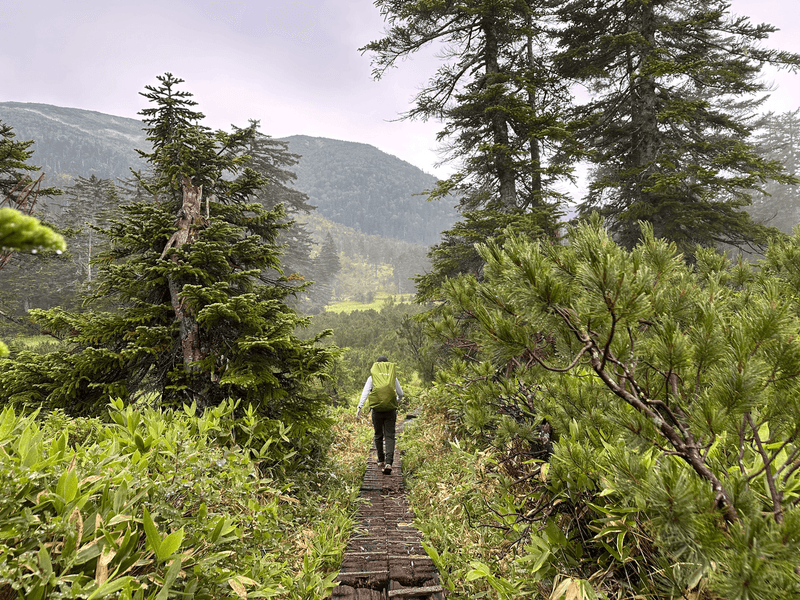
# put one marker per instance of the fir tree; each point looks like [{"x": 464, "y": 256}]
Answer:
[
  {"x": 779, "y": 139},
  {"x": 503, "y": 110},
  {"x": 496, "y": 96},
  {"x": 199, "y": 319},
  {"x": 18, "y": 190},
  {"x": 326, "y": 266},
  {"x": 271, "y": 159},
  {"x": 23, "y": 232},
  {"x": 671, "y": 115}
]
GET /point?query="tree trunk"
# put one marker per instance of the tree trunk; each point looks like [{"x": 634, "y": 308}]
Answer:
[
  {"x": 536, "y": 157},
  {"x": 644, "y": 114},
  {"x": 190, "y": 217},
  {"x": 503, "y": 164}
]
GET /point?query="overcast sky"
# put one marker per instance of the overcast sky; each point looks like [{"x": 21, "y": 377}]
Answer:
[{"x": 293, "y": 64}]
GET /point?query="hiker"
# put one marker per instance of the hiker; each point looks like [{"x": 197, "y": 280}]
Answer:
[{"x": 384, "y": 393}]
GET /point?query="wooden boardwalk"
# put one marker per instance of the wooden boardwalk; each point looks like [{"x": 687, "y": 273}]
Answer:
[{"x": 384, "y": 557}]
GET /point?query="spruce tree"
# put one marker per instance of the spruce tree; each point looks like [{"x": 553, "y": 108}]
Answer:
[
  {"x": 19, "y": 231},
  {"x": 18, "y": 190},
  {"x": 199, "y": 319},
  {"x": 326, "y": 266},
  {"x": 271, "y": 159},
  {"x": 669, "y": 122}
]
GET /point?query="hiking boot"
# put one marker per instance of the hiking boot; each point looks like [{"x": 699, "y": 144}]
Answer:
[{"x": 387, "y": 469}]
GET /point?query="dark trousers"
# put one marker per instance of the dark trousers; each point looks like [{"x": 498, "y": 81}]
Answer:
[{"x": 383, "y": 423}]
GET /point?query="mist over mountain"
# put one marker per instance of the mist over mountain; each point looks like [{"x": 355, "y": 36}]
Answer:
[
  {"x": 376, "y": 193},
  {"x": 354, "y": 184}
]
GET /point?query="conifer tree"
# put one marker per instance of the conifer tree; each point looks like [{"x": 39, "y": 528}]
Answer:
[
  {"x": 19, "y": 191},
  {"x": 272, "y": 160},
  {"x": 503, "y": 110},
  {"x": 23, "y": 232},
  {"x": 91, "y": 202},
  {"x": 670, "y": 395},
  {"x": 779, "y": 139},
  {"x": 326, "y": 266},
  {"x": 671, "y": 114},
  {"x": 199, "y": 319}
]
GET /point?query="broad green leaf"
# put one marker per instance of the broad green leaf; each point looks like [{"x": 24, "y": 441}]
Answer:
[
  {"x": 37, "y": 592},
  {"x": 213, "y": 558},
  {"x": 111, "y": 586},
  {"x": 172, "y": 574},
  {"x": 87, "y": 553},
  {"x": 59, "y": 445},
  {"x": 45, "y": 564},
  {"x": 479, "y": 571},
  {"x": 150, "y": 530},
  {"x": 217, "y": 530},
  {"x": 8, "y": 422},
  {"x": 170, "y": 544},
  {"x": 67, "y": 486},
  {"x": 120, "y": 496}
]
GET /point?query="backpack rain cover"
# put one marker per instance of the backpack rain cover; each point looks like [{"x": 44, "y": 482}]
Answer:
[{"x": 383, "y": 396}]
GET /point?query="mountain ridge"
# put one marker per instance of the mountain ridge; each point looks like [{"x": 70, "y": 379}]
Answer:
[{"x": 352, "y": 183}]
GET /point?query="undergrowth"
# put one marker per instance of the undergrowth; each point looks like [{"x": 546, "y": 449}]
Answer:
[
  {"x": 160, "y": 504},
  {"x": 448, "y": 490}
]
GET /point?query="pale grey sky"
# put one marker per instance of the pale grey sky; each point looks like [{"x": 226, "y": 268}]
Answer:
[{"x": 292, "y": 64}]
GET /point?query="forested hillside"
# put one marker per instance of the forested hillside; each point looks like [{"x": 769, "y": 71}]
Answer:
[
  {"x": 76, "y": 142},
  {"x": 89, "y": 155},
  {"x": 369, "y": 263},
  {"x": 370, "y": 191}
]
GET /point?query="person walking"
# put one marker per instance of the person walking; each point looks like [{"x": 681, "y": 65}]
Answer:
[{"x": 383, "y": 391}]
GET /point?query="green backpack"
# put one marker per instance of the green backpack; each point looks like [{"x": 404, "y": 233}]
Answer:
[{"x": 383, "y": 396}]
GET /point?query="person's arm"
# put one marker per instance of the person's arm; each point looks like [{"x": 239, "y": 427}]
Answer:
[
  {"x": 398, "y": 390},
  {"x": 364, "y": 393}
]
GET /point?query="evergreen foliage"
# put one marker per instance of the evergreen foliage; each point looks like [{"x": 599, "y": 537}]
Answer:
[
  {"x": 669, "y": 123},
  {"x": 642, "y": 414},
  {"x": 503, "y": 112},
  {"x": 20, "y": 231},
  {"x": 499, "y": 101},
  {"x": 77, "y": 142},
  {"x": 14, "y": 167},
  {"x": 199, "y": 318},
  {"x": 90, "y": 203},
  {"x": 368, "y": 264},
  {"x": 271, "y": 159},
  {"x": 779, "y": 139},
  {"x": 23, "y": 232},
  {"x": 26, "y": 233},
  {"x": 327, "y": 266},
  {"x": 457, "y": 253}
]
